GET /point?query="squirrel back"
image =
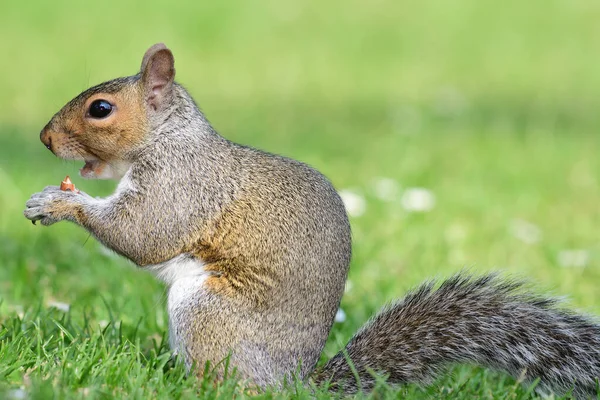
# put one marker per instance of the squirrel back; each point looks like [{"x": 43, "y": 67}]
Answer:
[{"x": 255, "y": 249}]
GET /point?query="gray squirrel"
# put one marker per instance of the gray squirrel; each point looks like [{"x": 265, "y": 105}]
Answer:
[{"x": 255, "y": 250}]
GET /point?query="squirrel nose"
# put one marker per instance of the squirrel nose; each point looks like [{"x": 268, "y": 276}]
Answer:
[{"x": 46, "y": 138}]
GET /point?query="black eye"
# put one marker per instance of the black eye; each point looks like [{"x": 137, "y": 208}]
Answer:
[{"x": 100, "y": 109}]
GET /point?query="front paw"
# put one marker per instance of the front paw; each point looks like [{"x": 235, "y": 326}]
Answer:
[{"x": 52, "y": 205}]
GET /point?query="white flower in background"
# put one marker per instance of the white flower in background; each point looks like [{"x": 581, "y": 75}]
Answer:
[
  {"x": 340, "y": 316},
  {"x": 525, "y": 231},
  {"x": 355, "y": 203},
  {"x": 386, "y": 189},
  {"x": 348, "y": 286},
  {"x": 17, "y": 394},
  {"x": 64, "y": 307},
  {"x": 575, "y": 258},
  {"x": 18, "y": 309},
  {"x": 418, "y": 200}
]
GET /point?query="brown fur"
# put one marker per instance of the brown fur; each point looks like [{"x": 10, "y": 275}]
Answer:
[{"x": 72, "y": 134}]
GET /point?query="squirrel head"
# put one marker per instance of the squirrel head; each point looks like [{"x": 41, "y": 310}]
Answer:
[{"x": 106, "y": 124}]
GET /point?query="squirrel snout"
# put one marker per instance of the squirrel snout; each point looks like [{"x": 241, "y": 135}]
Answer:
[{"x": 46, "y": 138}]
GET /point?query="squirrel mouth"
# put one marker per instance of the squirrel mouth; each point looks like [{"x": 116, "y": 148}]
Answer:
[
  {"x": 91, "y": 169},
  {"x": 101, "y": 169}
]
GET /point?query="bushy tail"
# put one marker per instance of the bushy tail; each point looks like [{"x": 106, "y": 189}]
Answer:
[{"x": 485, "y": 321}]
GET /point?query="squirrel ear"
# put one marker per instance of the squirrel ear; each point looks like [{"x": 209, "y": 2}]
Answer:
[{"x": 158, "y": 72}]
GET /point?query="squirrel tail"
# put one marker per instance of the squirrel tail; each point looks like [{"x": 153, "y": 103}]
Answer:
[{"x": 485, "y": 321}]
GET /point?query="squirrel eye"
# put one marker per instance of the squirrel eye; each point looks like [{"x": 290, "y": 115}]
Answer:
[{"x": 100, "y": 109}]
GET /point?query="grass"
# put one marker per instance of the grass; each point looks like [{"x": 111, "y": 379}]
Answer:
[{"x": 490, "y": 106}]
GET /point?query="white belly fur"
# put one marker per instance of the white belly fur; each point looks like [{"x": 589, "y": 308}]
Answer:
[{"x": 185, "y": 278}]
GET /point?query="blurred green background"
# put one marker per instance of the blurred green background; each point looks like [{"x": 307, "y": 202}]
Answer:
[{"x": 491, "y": 107}]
